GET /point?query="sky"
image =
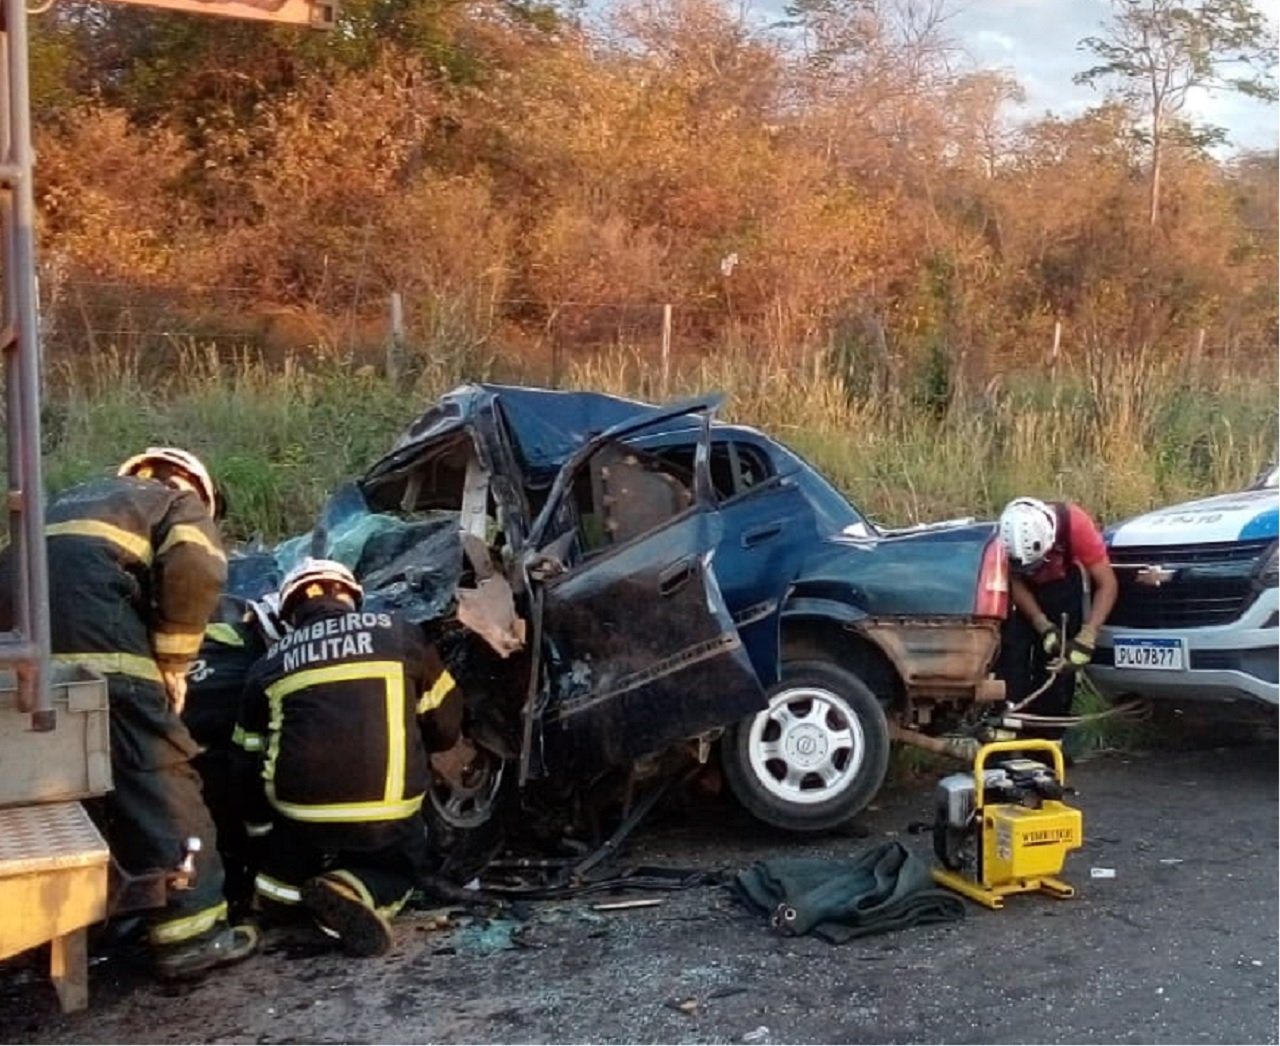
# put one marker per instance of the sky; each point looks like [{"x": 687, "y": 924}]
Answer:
[{"x": 1036, "y": 40}]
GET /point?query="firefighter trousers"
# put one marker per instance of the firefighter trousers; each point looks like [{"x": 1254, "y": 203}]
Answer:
[
  {"x": 1024, "y": 664},
  {"x": 156, "y": 805},
  {"x": 380, "y": 860}
]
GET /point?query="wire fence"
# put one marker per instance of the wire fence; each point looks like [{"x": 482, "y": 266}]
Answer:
[{"x": 155, "y": 323}]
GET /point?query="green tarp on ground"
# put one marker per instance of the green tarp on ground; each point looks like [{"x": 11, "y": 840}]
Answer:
[{"x": 884, "y": 887}]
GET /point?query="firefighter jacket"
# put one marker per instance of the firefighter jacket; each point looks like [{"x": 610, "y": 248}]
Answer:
[
  {"x": 135, "y": 570},
  {"x": 337, "y": 718},
  {"x": 232, "y": 646}
]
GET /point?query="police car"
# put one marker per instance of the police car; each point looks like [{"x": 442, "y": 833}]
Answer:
[{"x": 1197, "y": 619}]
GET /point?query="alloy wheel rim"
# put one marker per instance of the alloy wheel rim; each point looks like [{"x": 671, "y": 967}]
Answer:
[{"x": 807, "y": 746}]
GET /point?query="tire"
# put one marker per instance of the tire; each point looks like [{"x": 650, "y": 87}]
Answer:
[
  {"x": 465, "y": 831},
  {"x": 816, "y": 756}
]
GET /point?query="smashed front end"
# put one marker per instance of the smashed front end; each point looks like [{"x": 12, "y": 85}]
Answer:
[{"x": 567, "y": 576}]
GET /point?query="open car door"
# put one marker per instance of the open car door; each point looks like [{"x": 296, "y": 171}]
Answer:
[{"x": 638, "y": 647}]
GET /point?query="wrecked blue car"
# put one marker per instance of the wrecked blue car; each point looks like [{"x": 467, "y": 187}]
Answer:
[{"x": 625, "y": 589}]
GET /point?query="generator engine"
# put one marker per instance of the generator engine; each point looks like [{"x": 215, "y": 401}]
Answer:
[{"x": 1004, "y": 827}]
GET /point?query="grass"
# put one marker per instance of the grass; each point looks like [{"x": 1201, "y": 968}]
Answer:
[
  {"x": 280, "y": 439},
  {"x": 1099, "y": 735},
  {"x": 904, "y": 461}
]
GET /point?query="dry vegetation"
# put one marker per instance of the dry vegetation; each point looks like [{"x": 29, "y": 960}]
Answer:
[{"x": 859, "y": 246}]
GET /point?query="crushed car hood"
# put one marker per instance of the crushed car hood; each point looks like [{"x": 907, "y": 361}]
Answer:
[
  {"x": 415, "y": 566},
  {"x": 547, "y": 426},
  {"x": 409, "y": 566}
]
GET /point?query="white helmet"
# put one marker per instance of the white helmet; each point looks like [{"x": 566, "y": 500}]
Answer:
[
  {"x": 266, "y": 612},
  {"x": 185, "y": 462},
  {"x": 1028, "y": 527},
  {"x": 319, "y": 573}
]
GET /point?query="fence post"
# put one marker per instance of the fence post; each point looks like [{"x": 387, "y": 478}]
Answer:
[
  {"x": 554, "y": 333},
  {"x": 395, "y": 337},
  {"x": 1197, "y": 354},
  {"x": 666, "y": 350},
  {"x": 1054, "y": 356}
]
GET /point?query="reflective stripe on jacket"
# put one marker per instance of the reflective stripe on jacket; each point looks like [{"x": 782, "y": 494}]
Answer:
[
  {"x": 135, "y": 570},
  {"x": 332, "y": 723}
]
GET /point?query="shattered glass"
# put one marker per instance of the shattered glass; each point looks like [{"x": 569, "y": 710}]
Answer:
[{"x": 411, "y": 566}]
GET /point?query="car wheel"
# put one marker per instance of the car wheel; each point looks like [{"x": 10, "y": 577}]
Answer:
[
  {"x": 816, "y": 756},
  {"x": 464, "y": 822}
]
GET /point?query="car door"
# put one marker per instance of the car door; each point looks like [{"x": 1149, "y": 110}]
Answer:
[
  {"x": 639, "y": 647},
  {"x": 768, "y": 529}
]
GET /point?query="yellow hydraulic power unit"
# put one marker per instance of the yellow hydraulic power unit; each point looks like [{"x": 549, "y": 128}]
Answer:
[{"x": 1004, "y": 828}]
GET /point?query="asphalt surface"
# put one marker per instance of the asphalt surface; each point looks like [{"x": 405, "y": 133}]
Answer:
[{"x": 1179, "y": 946}]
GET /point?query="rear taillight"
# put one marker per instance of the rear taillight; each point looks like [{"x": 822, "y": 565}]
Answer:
[{"x": 992, "y": 597}]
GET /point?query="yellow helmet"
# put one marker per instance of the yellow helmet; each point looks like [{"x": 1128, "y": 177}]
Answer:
[
  {"x": 310, "y": 578},
  {"x": 171, "y": 458}
]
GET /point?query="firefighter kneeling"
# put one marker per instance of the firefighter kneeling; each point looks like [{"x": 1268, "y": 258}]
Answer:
[{"x": 333, "y": 734}]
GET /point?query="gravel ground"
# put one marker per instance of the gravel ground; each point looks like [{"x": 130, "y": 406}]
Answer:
[{"x": 1180, "y": 946}]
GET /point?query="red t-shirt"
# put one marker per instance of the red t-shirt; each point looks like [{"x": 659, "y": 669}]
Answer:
[{"x": 1087, "y": 548}]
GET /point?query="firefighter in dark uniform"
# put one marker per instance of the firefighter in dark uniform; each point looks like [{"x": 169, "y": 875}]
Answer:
[
  {"x": 233, "y": 643},
  {"x": 135, "y": 569},
  {"x": 335, "y": 727}
]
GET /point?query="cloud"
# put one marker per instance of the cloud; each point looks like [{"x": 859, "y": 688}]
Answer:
[
  {"x": 1038, "y": 40},
  {"x": 989, "y": 40}
]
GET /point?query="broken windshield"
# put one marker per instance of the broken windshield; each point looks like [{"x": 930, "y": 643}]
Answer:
[{"x": 412, "y": 566}]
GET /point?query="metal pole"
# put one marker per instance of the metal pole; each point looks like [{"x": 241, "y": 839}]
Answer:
[
  {"x": 21, "y": 236},
  {"x": 395, "y": 337},
  {"x": 666, "y": 351},
  {"x": 16, "y": 643}
]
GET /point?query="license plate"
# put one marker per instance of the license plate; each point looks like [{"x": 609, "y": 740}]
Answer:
[{"x": 1162, "y": 654}]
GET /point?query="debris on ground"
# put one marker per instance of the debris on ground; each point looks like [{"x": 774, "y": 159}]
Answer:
[
  {"x": 431, "y": 921},
  {"x": 617, "y": 906},
  {"x": 609, "y": 977},
  {"x": 486, "y": 936}
]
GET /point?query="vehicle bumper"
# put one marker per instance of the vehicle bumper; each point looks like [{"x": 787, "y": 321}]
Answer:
[{"x": 1226, "y": 663}]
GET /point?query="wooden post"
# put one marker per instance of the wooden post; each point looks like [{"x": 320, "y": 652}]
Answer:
[
  {"x": 69, "y": 969},
  {"x": 395, "y": 337},
  {"x": 1054, "y": 354},
  {"x": 885, "y": 380},
  {"x": 1197, "y": 354},
  {"x": 666, "y": 350},
  {"x": 555, "y": 356}
]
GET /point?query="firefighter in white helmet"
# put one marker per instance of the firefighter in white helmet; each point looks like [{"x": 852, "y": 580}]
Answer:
[
  {"x": 335, "y": 726},
  {"x": 233, "y": 642},
  {"x": 136, "y": 567},
  {"x": 1052, "y": 548}
]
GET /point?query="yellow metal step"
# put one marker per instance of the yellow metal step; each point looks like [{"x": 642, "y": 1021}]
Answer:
[{"x": 53, "y": 884}]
